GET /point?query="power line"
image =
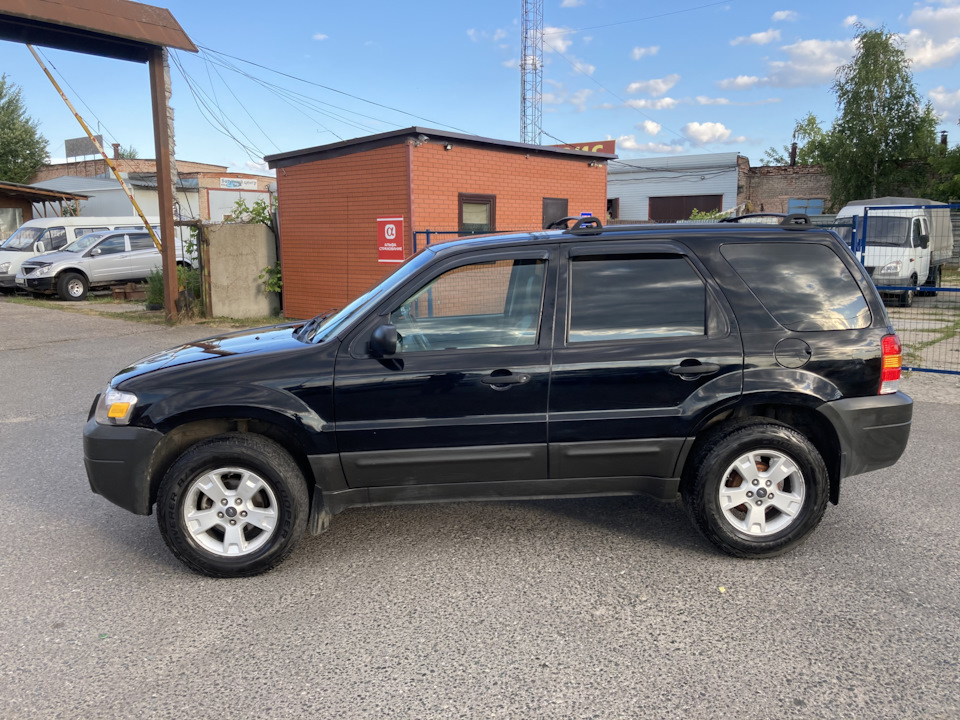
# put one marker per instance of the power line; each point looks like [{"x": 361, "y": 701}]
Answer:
[{"x": 331, "y": 89}]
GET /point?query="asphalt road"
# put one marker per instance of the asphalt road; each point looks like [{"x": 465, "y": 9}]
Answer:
[{"x": 607, "y": 608}]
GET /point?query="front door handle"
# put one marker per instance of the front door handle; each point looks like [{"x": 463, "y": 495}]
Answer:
[
  {"x": 506, "y": 379},
  {"x": 695, "y": 370}
]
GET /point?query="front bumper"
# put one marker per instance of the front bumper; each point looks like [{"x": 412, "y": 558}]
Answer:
[
  {"x": 873, "y": 431},
  {"x": 117, "y": 459},
  {"x": 43, "y": 284},
  {"x": 7, "y": 280}
]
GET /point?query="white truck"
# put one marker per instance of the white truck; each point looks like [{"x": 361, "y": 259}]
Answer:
[
  {"x": 43, "y": 235},
  {"x": 908, "y": 241}
]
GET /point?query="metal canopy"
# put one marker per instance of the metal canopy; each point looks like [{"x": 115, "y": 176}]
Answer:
[
  {"x": 110, "y": 28},
  {"x": 35, "y": 194}
]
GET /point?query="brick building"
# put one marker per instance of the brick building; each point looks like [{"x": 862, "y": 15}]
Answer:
[
  {"x": 783, "y": 188},
  {"x": 331, "y": 197}
]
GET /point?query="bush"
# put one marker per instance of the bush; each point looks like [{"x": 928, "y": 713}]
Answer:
[{"x": 155, "y": 288}]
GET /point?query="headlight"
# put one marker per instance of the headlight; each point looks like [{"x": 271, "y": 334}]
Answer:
[
  {"x": 891, "y": 268},
  {"x": 115, "y": 407},
  {"x": 4, "y": 267},
  {"x": 43, "y": 270}
]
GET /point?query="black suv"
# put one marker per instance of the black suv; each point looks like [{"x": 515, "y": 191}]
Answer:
[{"x": 749, "y": 368}]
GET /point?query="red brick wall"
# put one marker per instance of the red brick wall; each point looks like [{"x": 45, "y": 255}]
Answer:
[
  {"x": 328, "y": 208},
  {"x": 520, "y": 182},
  {"x": 328, "y": 226}
]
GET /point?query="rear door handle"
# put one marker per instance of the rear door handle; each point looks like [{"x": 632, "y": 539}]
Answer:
[
  {"x": 693, "y": 370},
  {"x": 510, "y": 379}
]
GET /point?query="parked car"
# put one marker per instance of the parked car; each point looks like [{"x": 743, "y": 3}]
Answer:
[
  {"x": 750, "y": 368},
  {"x": 43, "y": 235},
  {"x": 908, "y": 242},
  {"x": 96, "y": 260}
]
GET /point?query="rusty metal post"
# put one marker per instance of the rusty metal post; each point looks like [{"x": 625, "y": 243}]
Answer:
[{"x": 160, "y": 93}]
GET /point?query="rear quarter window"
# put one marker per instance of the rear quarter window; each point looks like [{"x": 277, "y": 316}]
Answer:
[{"x": 805, "y": 286}]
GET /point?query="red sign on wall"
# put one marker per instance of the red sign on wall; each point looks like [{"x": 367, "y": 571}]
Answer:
[
  {"x": 601, "y": 146},
  {"x": 390, "y": 240}
]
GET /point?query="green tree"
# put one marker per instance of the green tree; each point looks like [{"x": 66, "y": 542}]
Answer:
[
  {"x": 128, "y": 153},
  {"x": 884, "y": 136},
  {"x": 811, "y": 141},
  {"x": 23, "y": 150}
]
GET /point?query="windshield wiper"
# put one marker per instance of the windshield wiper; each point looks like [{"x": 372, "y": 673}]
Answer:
[{"x": 303, "y": 334}]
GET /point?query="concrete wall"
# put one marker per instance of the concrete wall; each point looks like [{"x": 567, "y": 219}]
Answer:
[
  {"x": 237, "y": 255},
  {"x": 770, "y": 188}
]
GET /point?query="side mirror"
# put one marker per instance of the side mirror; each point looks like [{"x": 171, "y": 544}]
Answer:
[
  {"x": 924, "y": 241},
  {"x": 95, "y": 251},
  {"x": 384, "y": 340},
  {"x": 40, "y": 248}
]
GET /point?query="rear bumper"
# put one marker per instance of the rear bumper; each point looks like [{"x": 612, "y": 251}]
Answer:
[
  {"x": 873, "y": 431},
  {"x": 117, "y": 459}
]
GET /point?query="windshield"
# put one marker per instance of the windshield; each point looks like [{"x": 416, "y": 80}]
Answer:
[
  {"x": 84, "y": 243},
  {"x": 330, "y": 325},
  {"x": 893, "y": 231},
  {"x": 22, "y": 240}
]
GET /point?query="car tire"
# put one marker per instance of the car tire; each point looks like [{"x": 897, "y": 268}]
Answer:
[
  {"x": 72, "y": 286},
  {"x": 932, "y": 282},
  {"x": 778, "y": 475},
  {"x": 233, "y": 506},
  {"x": 905, "y": 299}
]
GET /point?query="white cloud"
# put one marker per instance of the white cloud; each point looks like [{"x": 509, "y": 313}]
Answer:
[
  {"x": 784, "y": 15},
  {"x": 758, "y": 38},
  {"x": 629, "y": 142},
  {"x": 556, "y": 39},
  {"x": 572, "y": 3},
  {"x": 579, "y": 99},
  {"x": 925, "y": 52},
  {"x": 811, "y": 62},
  {"x": 320, "y": 36},
  {"x": 472, "y": 34},
  {"x": 499, "y": 35},
  {"x": 655, "y": 87},
  {"x": 259, "y": 168},
  {"x": 512, "y": 63},
  {"x": 581, "y": 66},
  {"x": 940, "y": 23},
  {"x": 705, "y": 100},
  {"x": 740, "y": 82},
  {"x": 650, "y": 127},
  {"x": 647, "y": 104},
  {"x": 709, "y": 132},
  {"x": 549, "y": 98},
  {"x": 945, "y": 101},
  {"x": 850, "y": 20},
  {"x": 639, "y": 52}
]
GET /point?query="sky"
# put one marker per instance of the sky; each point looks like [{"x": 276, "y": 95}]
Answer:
[{"x": 688, "y": 76}]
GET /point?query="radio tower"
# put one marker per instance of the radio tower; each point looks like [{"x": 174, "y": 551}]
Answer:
[{"x": 531, "y": 71}]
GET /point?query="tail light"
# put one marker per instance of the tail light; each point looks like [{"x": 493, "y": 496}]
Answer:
[{"x": 892, "y": 360}]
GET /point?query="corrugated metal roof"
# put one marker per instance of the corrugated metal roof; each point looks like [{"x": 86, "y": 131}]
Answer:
[
  {"x": 74, "y": 183},
  {"x": 36, "y": 194},
  {"x": 678, "y": 162},
  {"x": 111, "y": 28}
]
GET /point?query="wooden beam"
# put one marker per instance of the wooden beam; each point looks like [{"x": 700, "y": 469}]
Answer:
[{"x": 159, "y": 93}]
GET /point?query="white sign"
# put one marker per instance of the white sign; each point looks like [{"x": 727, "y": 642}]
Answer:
[{"x": 238, "y": 183}]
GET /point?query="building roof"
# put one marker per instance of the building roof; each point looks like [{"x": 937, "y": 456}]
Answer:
[
  {"x": 36, "y": 194},
  {"x": 77, "y": 183},
  {"x": 110, "y": 28},
  {"x": 418, "y": 134},
  {"x": 680, "y": 163}
]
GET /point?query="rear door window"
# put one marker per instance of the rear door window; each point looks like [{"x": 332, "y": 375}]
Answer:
[
  {"x": 805, "y": 286},
  {"x": 629, "y": 297}
]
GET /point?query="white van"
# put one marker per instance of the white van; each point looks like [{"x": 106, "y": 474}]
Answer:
[
  {"x": 44, "y": 235},
  {"x": 906, "y": 246}
]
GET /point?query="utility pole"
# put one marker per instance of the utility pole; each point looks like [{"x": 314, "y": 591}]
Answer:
[{"x": 531, "y": 71}]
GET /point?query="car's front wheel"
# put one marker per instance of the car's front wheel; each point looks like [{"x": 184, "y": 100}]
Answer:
[
  {"x": 72, "y": 286},
  {"x": 233, "y": 506},
  {"x": 756, "y": 489}
]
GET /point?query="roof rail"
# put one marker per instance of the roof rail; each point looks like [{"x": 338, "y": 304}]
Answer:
[{"x": 586, "y": 226}]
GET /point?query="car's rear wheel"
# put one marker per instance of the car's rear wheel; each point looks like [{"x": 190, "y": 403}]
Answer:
[
  {"x": 233, "y": 506},
  {"x": 72, "y": 286},
  {"x": 756, "y": 489}
]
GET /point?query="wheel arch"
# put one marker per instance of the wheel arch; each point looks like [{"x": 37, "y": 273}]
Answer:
[
  {"x": 799, "y": 414},
  {"x": 185, "y": 431},
  {"x": 71, "y": 269}
]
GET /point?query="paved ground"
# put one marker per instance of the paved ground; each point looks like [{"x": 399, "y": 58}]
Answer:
[{"x": 564, "y": 609}]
